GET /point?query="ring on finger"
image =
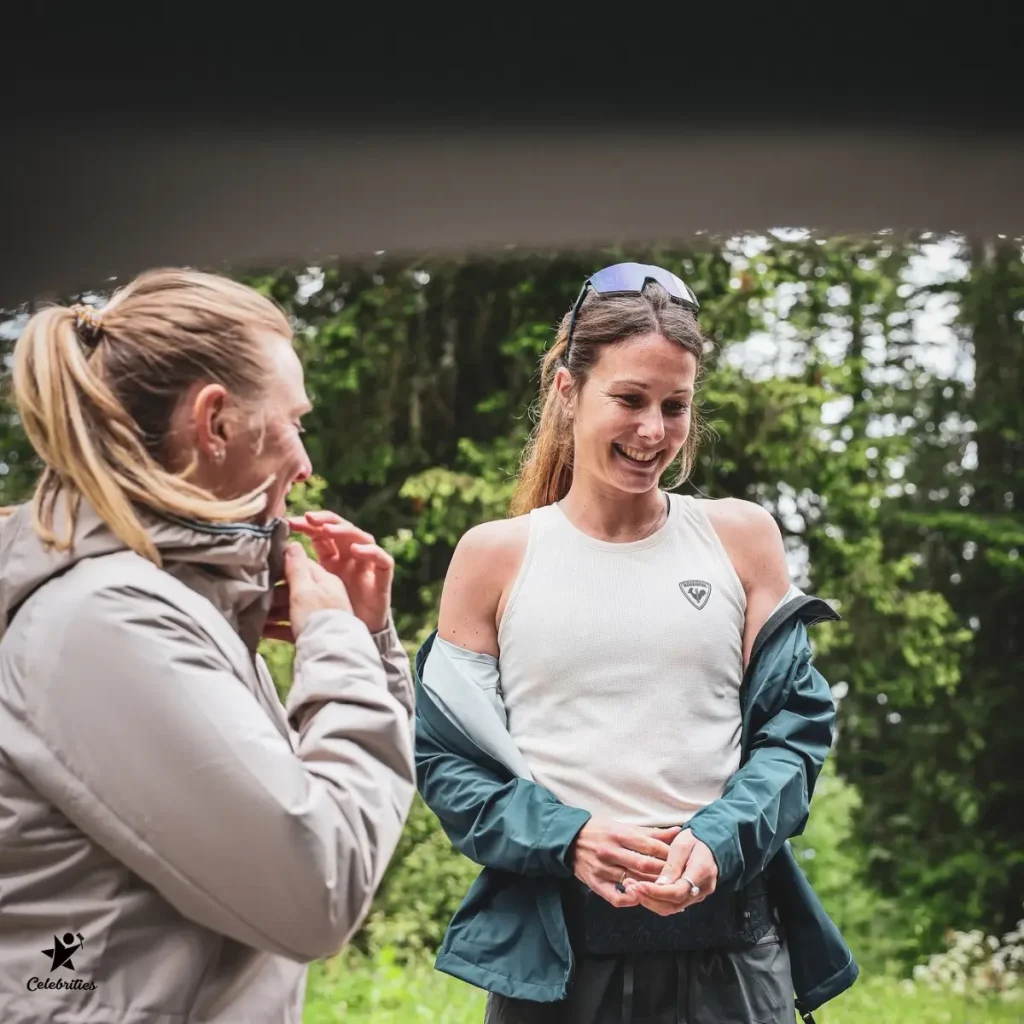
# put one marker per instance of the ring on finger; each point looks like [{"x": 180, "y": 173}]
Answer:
[
  {"x": 619, "y": 884},
  {"x": 694, "y": 889}
]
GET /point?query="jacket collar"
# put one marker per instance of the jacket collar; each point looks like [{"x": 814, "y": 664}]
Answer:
[{"x": 233, "y": 565}]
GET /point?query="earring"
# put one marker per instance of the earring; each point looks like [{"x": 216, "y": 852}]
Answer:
[{"x": 218, "y": 455}]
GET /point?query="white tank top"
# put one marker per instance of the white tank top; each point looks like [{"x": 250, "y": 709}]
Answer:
[{"x": 621, "y": 663}]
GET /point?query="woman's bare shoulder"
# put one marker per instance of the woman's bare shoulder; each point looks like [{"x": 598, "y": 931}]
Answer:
[
  {"x": 751, "y": 536},
  {"x": 738, "y": 514},
  {"x": 495, "y": 537},
  {"x": 482, "y": 569}
]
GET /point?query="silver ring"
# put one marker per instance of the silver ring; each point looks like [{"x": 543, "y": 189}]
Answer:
[{"x": 694, "y": 889}]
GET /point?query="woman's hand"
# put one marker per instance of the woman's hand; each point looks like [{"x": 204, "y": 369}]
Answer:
[
  {"x": 689, "y": 863},
  {"x": 306, "y": 588},
  {"x": 606, "y": 850},
  {"x": 351, "y": 554}
]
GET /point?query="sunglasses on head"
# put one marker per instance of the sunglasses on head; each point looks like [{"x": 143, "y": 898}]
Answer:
[{"x": 631, "y": 279}]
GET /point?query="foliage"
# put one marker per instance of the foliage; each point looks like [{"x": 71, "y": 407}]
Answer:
[{"x": 424, "y": 886}]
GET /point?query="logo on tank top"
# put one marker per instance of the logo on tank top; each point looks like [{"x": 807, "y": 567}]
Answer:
[{"x": 697, "y": 592}]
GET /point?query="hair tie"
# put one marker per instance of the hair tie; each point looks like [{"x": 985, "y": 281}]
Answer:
[{"x": 88, "y": 323}]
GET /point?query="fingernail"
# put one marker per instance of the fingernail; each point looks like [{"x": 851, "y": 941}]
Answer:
[{"x": 662, "y": 880}]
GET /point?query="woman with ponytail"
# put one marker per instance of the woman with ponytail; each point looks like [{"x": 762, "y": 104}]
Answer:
[
  {"x": 617, "y": 716},
  {"x": 175, "y": 844}
]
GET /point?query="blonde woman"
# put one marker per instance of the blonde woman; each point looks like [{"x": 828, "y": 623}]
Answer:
[{"x": 176, "y": 845}]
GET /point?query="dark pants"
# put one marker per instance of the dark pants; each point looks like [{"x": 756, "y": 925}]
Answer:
[{"x": 749, "y": 986}]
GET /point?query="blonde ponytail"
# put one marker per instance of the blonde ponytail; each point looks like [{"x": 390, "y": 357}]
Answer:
[{"x": 73, "y": 387}]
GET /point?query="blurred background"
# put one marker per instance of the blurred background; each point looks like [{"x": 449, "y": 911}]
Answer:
[{"x": 869, "y": 391}]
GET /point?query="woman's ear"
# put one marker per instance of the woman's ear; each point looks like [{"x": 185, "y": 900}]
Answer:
[
  {"x": 563, "y": 386},
  {"x": 211, "y": 418}
]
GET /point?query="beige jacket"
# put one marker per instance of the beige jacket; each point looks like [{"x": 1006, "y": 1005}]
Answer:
[{"x": 175, "y": 845}]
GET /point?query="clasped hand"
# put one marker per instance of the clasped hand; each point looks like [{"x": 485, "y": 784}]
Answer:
[{"x": 661, "y": 865}]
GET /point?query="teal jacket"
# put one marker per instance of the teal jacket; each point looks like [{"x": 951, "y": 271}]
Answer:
[{"x": 509, "y": 936}]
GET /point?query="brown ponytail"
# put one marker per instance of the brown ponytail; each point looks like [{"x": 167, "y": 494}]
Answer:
[
  {"x": 545, "y": 474},
  {"x": 96, "y": 392}
]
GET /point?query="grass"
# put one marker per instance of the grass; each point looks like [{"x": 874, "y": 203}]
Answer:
[{"x": 354, "y": 990}]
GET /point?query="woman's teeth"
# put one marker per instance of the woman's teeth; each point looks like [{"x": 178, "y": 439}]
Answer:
[{"x": 636, "y": 454}]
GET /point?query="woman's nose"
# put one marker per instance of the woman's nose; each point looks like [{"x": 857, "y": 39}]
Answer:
[
  {"x": 305, "y": 470},
  {"x": 652, "y": 426}
]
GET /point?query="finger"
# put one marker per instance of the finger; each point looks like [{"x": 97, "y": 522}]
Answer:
[
  {"x": 678, "y": 855},
  {"x": 296, "y": 565},
  {"x": 675, "y": 895},
  {"x": 341, "y": 533},
  {"x": 339, "y": 530},
  {"x": 375, "y": 554},
  {"x": 702, "y": 870},
  {"x": 346, "y": 530},
  {"x": 323, "y": 516},
  {"x": 660, "y": 907},
  {"x": 637, "y": 864},
  {"x": 664, "y": 835},
  {"x": 299, "y": 525},
  {"x": 325, "y": 547},
  {"x": 314, "y": 520},
  {"x": 642, "y": 877},
  {"x": 611, "y": 873},
  {"x": 612, "y": 895},
  {"x": 645, "y": 901},
  {"x": 639, "y": 842}
]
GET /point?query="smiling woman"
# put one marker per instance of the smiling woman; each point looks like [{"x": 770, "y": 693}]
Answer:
[{"x": 619, "y": 626}]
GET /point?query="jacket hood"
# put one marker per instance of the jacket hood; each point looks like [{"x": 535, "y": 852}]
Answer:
[{"x": 233, "y": 565}]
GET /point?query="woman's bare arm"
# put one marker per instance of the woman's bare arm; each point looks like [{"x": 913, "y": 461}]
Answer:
[
  {"x": 752, "y": 539},
  {"x": 480, "y": 575}
]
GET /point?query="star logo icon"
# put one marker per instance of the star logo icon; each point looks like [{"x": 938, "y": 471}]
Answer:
[{"x": 63, "y": 950}]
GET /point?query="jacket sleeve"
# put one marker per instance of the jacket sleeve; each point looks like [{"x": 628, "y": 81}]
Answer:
[
  {"x": 397, "y": 670},
  {"x": 512, "y": 824},
  {"x": 167, "y": 760},
  {"x": 767, "y": 801}
]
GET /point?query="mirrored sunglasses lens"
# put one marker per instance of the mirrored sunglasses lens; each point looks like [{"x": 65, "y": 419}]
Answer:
[
  {"x": 669, "y": 282},
  {"x": 631, "y": 277},
  {"x": 623, "y": 277}
]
